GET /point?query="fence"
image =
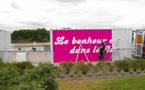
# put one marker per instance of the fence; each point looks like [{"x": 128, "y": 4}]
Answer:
[
  {"x": 36, "y": 57},
  {"x": 120, "y": 54},
  {"x": 19, "y": 56}
]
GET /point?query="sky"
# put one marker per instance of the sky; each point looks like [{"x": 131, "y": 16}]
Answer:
[{"x": 52, "y": 14}]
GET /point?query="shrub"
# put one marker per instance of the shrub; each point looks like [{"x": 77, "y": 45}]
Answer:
[
  {"x": 138, "y": 64},
  {"x": 9, "y": 76},
  {"x": 110, "y": 66},
  {"x": 80, "y": 68},
  {"x": 124, "y": 65},
  {"x": 36, "y": 78},
  {"x": 71, "y": 75},
  {"x": 75, "y": 69},
  {"x": 99, "y": 66},
  {"x": 43, "y": 74},
  {"x": 89, "y": 69},
  {"x": 25, "y": 85},
  {"x": 143, "y": 65},
  {"x": 104, "y": 67},
  {"x": 57, "y": 71},
  {"x": 1, "y": 63},
  {"x": 78, "y": 74},
  {"x": 89, "y": 74},
  {"x": 61, "y": 75},
  {"x": 66, "y": 67},
  {"x": 23, "y": 66}
]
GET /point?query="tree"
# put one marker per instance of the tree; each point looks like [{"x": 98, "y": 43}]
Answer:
[{"x": 30, "y": 35}]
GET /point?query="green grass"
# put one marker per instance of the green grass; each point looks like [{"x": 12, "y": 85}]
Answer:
[{"x": 121, "y": 83}]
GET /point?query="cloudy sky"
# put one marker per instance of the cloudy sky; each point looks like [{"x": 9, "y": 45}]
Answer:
[{"x": 18, "y": 14}]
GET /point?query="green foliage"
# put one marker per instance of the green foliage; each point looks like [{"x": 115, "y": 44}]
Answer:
[
  {"x": 23, "y": 66},
  {"x": 99, "y": 66},
  {"x": 1, "y": 63},
  {"x": 24, "y": 85},
  {"x": 138, "y": 65},
  {"x": 25, "y": 76},
  {"x": 89, "y": 66},
  {"x": 104, "y": 67},
  {"x": 79, "y": 68},
  {"x": 130, "y": 65},
  {"x": 66, "y": 67},
  {"x": 43, "y": 74},
  {"x": 30, "y": 35},
  {"x": 124, "y": 65},
  {"x": 32, "y": 78},
  {"x": 9, "y": 76},
  {"x": 143, "y": 65},
  {"x": 82, "y": 68}
]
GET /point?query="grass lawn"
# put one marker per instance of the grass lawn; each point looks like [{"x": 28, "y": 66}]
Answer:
[{"x": 121, "y": 83}]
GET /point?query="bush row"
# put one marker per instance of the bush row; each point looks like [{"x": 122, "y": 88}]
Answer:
[
  {"x": 72, "y": 69},
  {"x": 25, "y": 76}
]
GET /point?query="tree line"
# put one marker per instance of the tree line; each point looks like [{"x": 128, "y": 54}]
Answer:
[{"x": 30, "y": 35}]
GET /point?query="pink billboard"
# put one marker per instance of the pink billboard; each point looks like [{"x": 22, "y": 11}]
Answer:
[{"x": 80, "y": 45}]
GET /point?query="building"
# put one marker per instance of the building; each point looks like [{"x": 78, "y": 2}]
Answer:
[
  {"x": 5, "y": 40},
  {"x": 32, "y": 52},
  {"x": 31, "y": 46},
  {"x": 121, "y": 43},
  {"x": 5, "y": 44}
]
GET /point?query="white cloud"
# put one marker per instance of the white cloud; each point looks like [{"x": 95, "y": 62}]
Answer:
[
  {"x": 15, "y": 14},
  {"x": 71, "y": 1}
]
